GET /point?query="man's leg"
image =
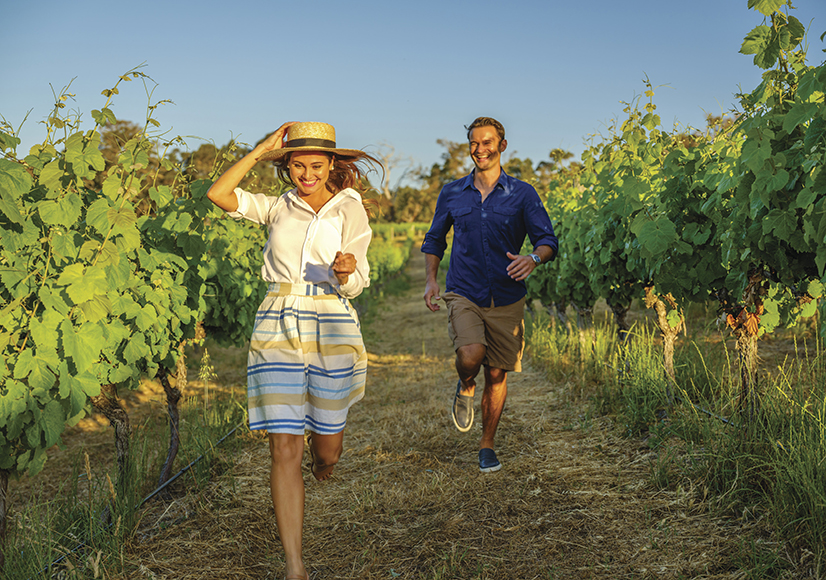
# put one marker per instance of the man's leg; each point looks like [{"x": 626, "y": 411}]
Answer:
[
  {"x": 468, "y": 362},
  {"x": 493, "y": 402}
]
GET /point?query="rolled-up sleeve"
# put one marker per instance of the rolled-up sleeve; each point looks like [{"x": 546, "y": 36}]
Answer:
[
  {"x": 252, "y": 206},
  {"x": 538, "y": 224},
  {"x": 355, "y": 239},
  {"x": 435, "y": 240}
]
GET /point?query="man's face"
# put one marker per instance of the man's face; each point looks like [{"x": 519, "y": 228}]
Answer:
[{"x": 486, "y": 147}]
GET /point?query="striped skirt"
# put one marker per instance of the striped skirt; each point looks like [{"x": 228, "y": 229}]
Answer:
[{"x": 307, "y": 362}]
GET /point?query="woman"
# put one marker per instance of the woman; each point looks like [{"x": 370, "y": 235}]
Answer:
[{"x": 307, "y": 362}]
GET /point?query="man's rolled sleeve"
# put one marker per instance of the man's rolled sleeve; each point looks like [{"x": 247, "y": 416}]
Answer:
[
  {"x": 435, "y": 240},
  {"x": 540, "y": 229}
]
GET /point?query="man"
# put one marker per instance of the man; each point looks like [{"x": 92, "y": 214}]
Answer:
[{"x": 490, "y": 213}]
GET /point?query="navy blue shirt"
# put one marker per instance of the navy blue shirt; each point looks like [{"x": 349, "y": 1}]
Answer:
[{"x": 483, "y": 234}]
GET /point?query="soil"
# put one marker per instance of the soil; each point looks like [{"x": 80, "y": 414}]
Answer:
[{"x": 574, "y": 498}]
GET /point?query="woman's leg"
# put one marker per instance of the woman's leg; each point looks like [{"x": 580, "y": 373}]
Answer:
[
  {"x": 287, "y": 488},
  {"x": 325, "y": 451}
]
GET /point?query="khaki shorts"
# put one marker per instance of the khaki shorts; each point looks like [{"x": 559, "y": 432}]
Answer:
[{"x": 501, "y": 329}]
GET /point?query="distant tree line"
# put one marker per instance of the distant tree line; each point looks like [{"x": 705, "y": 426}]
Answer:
[{"x": 413, "y": 201}]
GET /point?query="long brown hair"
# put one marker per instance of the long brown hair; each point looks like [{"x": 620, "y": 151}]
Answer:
[{"x": 348, "y": 171}]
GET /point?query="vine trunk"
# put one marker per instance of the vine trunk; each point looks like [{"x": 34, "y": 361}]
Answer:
[
  {"x": 669, "y": 334},
  {"x": 173, "y": 395},
  {"x": 557, "y": 310},
  {"x": 747, "y": 359},
  {"x": 4, "y": 488},
  {"x": 621, "y": 318},
  {"x": 109, "y": 405},
  {"x": 585, "y": 325}
]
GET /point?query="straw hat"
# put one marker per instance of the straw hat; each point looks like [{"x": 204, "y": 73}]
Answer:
[{"x": 310, "y": 137}]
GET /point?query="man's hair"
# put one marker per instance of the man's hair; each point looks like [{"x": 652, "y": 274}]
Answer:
[{"x": 486, "y": 122}]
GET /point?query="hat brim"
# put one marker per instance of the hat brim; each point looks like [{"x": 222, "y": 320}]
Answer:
[{"x": 277, "y": 154}]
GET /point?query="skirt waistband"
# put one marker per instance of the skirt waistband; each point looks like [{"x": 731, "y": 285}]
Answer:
[{"x": 286, "y": 289}]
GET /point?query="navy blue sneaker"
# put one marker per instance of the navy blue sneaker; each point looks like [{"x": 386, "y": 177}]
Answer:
[
  {"x": 462, "y": 410},
  {"x": 488, "y": 461}
]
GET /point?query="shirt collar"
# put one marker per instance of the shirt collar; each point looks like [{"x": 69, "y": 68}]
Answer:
[
  {"x": 504, "y": 180},
  {"x": 336, "y": 199}
]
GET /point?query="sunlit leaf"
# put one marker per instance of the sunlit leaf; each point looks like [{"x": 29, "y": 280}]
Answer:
[
  {"x": 766, "y": 7},
  {"x": 756, "y": 40}
]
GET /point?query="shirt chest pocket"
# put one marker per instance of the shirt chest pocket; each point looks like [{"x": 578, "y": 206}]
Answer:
[
  {"x": 462, "y": 218},
  {"x": 504, "y": 218}
]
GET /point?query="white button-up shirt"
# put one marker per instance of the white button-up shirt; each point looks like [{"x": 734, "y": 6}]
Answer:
[{"x": 302, "y": 244}]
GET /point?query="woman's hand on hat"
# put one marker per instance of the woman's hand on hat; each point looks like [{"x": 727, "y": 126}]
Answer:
[
  {"x": 276, "y": 140},
  {"x": 222, "y": 192},
  {"x": 343, "y": 266}
]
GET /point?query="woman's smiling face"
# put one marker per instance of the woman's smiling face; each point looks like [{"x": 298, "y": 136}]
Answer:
[{"x": 310, "y": 172}]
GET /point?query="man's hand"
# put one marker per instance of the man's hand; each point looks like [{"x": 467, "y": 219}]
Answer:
[
  {"x": 520, "y": 266},
  {"x": 343, "y": 266},
  {"x": 431, "y": 292},
  {"x": 431, "y": 287}
]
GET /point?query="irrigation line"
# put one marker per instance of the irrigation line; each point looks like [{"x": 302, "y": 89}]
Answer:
[
  {"x": 709, "y": 413},
  {"x": 143, "y": 501},
  {"x": 184, "y": 470},
  {"x": 695, "y": 407}
]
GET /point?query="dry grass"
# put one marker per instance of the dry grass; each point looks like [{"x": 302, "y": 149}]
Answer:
[{"x": 573, "y": 500}]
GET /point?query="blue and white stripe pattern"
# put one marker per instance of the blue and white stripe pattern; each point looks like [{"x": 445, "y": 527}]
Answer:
[{"x": 307, "y": 364}]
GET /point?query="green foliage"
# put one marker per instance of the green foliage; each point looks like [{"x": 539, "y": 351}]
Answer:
[
  {"x": 92, "y": 290},
  {"x": 769, "y": 43},
  {"x": 386, "y": 259},
  {"x": 778, "y": 212},
  {"x": 737, "y": 212},
  {"x": 691, "y": 199},
  {"x": 624, "y": 175},
  {"x": 234, "y": 286},
  {"x": 387, "y": 255},
  {"x": 50, "y": 528},
  {"x": 571, "y": 208}
]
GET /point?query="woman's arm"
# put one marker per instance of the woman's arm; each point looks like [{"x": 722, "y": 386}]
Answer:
[
  {"x": 350, "y": 272},
  {"x": 222, "y": 192}
]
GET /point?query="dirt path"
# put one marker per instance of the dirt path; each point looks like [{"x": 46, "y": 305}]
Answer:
[{"x": 407, "y": 500}]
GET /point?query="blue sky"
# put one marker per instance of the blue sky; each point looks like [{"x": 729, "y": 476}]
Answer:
[{"x": 384, "y": 72}]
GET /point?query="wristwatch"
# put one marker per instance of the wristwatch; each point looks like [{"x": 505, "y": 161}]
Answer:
[{"x": 537, "y": 260}]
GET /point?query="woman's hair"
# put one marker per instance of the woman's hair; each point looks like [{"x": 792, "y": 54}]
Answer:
[{"x": 348, "y": 171}]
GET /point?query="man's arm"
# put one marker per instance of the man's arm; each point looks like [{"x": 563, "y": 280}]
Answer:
[
  {"x": 538, "y": 226},
  {"x": 433, "y": 248},
  {"x": 431, "y": 288}
]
